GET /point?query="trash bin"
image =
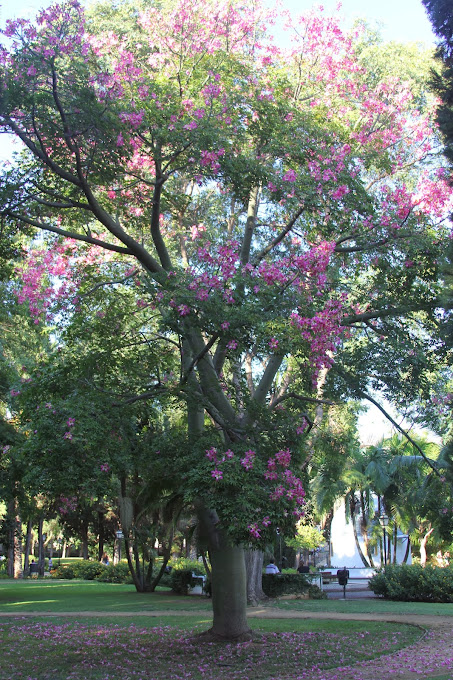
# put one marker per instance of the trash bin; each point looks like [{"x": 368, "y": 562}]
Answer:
[{"x": 343, "y": 575}]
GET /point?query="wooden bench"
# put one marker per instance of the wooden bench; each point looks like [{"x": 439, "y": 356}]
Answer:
[{"x": 33, "y": 570}]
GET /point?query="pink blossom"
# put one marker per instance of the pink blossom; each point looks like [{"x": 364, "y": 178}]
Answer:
[
  {"x": 211, "y": 453},
  {"x": 248, "y": 460}
]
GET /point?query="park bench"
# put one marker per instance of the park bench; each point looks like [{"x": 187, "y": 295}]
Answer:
[
  {"x": 327, "y": 576},
  {"x": 34, "y": 570}
]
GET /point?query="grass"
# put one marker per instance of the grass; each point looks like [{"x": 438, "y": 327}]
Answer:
[
  {"x": 368, "y": 606},
  {"x": 129, "y": 644},
  {"x": 73, "y": 596},
  {"x": 59, "y": 649}
]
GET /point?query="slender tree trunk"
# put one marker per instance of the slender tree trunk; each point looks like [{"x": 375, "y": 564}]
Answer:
[
  {"x": 364, "y": 529},
  {"x": 327, "y": 531},
  {"x": 254, "y": 571},
  {"x": 166, "y": 549},
  {"x": 423, "y": 543},
  {"x": 28, "y": 540},
  {"x": 14, "y": 566},
  {"x": 228, "y": 581},
  {"x": 100, "y": 534},
  {"x": 40, "y": 546},
  {"x": 84, "y": 539},
  {"x": 357, "y": 542},
  {"x": 408, "y": 549},
  {"x": 135, "y": 576},
  {"x": 395, "y": 542}
]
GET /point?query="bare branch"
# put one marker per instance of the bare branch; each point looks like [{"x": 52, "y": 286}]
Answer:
[
  {"x": 278, "y": 239},
  {"x": 366, "y": 396},
  {"x": 68, "y": 234}
]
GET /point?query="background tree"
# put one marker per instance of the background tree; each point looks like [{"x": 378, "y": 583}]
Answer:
[{"x": 440, "y": 15}]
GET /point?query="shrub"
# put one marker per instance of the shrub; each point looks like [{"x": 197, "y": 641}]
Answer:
[
  {"x": 181, "y": 580},
  {"x": 65, "y": 572},
  {"x": 188, "y": 565},
  {"x": 115, "y": 573},
  {"x": 413, "y": 583},
  {"x": 93, "y": 571},
  {"x": 275, "y": 585}
]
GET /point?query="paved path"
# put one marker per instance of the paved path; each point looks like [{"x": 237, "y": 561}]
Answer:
[{"x": 430, "y": 657}]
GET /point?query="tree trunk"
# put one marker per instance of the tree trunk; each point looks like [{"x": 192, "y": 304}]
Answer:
[
  {"x": 135, "y": 576},
  {"x": 27, "y": 550},
  {"x": 364, "y": 529},
  {"x": 228, "y": 581},
  {"x": 395, "y": 542},
  {"x": 327, "y": 531},
  {"x": 356, "y": 538},
  {"x": 14, "y": 566},
  {"x": 408, "y": 548},
  {"x": 254, "y": 571},
  {"x": 84, "y": 539},
  {"x": 40, "y": 547},
  {"x": 423, "y": 543},
  {"x": 100, "y": 534},
  {"x": 166, "y": 549}
]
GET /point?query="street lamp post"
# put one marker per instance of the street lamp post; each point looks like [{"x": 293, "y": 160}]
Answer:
[
  {"x": 384, "y": 522},
  {"x": 119, "y": 536}
]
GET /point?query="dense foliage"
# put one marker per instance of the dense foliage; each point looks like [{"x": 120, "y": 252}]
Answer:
[
  {"x": 413, "y": 583},
  {"x": 235, "y": 236}
]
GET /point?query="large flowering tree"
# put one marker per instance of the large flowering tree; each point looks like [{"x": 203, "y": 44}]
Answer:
[{"x": 276, "y": 214}]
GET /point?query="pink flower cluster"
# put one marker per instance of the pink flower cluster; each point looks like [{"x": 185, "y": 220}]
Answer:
[
  {"x": 67, "y": 504},
  {"x": 289, "y": 488},
  {"x": 323, "y": 333},
  {"x": 70, "y": 424}
]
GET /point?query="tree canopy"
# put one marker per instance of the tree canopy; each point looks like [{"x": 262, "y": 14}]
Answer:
[{"x": 271, "y": 220}]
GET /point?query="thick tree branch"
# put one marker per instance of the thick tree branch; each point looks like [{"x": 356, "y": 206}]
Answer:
[
  {"x": 396, "y": 311},
  {"x": 300, "y": 397},
  {"x": 67, "y": 234},
  {"x": 249, "y": 226},
  {"x": 198, "y": 358},
  {"x": 267, "y": 378},
  {"x": 39, "y": 153},
  {"x": 278, "y": 239}
]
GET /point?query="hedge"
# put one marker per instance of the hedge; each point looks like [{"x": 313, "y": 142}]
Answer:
[
  {"x": 413, "y": 583},
  {"x": 275, "y": 585},
  {"x": 94, "y": 571}
]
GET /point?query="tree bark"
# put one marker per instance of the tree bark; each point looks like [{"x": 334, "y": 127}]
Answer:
[
  {"x": 254, "y": 571},
  {"x": 27, "y": 546},
  {"x": 100, "y": 534},
  {"x": 84, "y": 539},
  {"x": 40, "y": 546},
  {"x": 356, "y": 539},
  {"x": 228, "y": 581},
  {"x": 423, "y": 543},
  {"x": 408, "y": 548},
  {"x": 14, "y": 566}
]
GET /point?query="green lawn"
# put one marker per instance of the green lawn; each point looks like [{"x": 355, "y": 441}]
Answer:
[
  {"x": 72, "y": 596},
  {"x": 166, "y": 649},
  {"x": 128, "y": 645}
]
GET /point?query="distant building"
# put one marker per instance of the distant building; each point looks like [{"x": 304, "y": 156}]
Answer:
[{"x": 343, "y": 549}]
